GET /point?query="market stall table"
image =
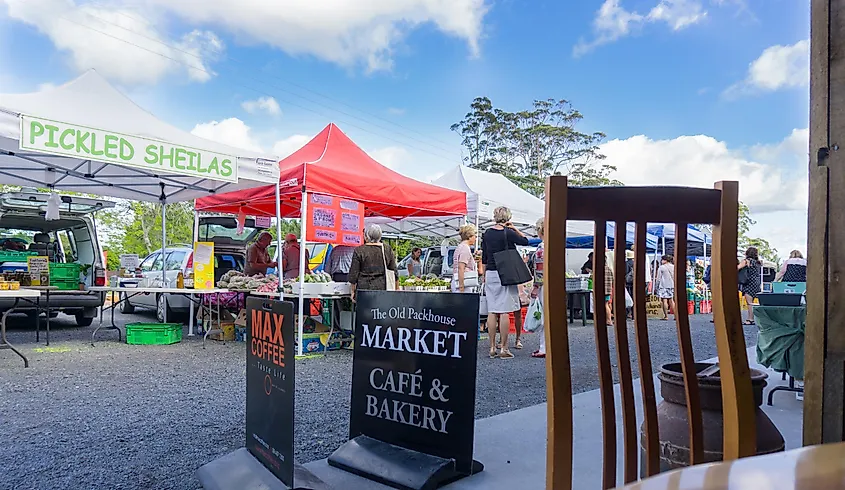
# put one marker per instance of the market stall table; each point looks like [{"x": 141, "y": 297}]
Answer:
[
  {"x": 131, "y": 292},
  {"x": 780, "y": 342},
  {"x": 17, "y": 295}
]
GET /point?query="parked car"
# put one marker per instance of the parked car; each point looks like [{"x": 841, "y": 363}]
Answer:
[
  {"x": 229, "y": 254},
  {"x": 432, "y": 262},
  {"x": 71, "y": 238}
]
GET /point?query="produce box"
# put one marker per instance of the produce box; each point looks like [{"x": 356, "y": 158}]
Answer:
[
  {"x": 65, "y": 284},
  {"x": 314, "y": 343},
  {"x": 228, "y": 334},
  {"x": 578, "y": 284},
  {"x": 153, "y": 333},
  {"x": 64, "y": 272},
  {"x": 11, "y": 256}
]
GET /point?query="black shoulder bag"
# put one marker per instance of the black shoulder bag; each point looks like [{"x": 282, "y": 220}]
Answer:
[{"x": 510, "y": 266}]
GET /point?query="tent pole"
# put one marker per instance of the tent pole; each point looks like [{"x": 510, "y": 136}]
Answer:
[
  {"x": 279, "y": 239},
  {"x": 191, "y": 315},
  {"x": 477, "y": 231},
  {"x": 303, "y": 227}
]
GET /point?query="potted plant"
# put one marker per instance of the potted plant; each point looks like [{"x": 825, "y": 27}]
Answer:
[{"x": 83, "y": 275}]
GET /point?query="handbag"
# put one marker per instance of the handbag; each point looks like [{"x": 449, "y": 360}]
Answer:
[
  {"x": 470, "y": 280},
  {"x": 482, "y": 304},
  {"x": 389, "y": 275},
  {"x": 512, "y": 270},
  {"x": 742, "y": 276}
]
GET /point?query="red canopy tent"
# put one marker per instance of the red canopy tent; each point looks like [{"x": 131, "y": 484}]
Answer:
[{"x": 332, "y": 164}]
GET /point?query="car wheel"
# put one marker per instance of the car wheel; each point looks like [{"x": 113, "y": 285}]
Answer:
[
  {"x": 125, "y": 306},
  {"x": 82, "y": 321},
  {"x": 163, "y": 309}
]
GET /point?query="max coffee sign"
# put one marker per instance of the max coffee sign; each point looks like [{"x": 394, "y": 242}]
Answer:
[
  {"x": 269, "y": 385},
  {"x": 413, "y": 375}
]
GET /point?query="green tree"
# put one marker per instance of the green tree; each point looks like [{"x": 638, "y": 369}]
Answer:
[
  {"x": 744, "y": 224},
  {"x": 528, "y": 146}
]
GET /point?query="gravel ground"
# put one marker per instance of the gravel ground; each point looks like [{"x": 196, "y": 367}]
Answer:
[{"x": 124, "y": 417}]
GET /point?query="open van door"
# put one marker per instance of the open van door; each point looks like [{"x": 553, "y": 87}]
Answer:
[{"x": 223, "y": 230}]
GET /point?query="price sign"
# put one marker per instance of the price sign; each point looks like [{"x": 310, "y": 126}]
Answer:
[
  {"x": 39, "y": 270},
  {"x": 334, "y": 220}
]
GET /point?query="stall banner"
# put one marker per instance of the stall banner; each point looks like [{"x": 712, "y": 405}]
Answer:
[
  {"x": 203, "y": 265},
  {"x": 334, "y": 220},
  {"x": 85, "y": 143},
  {"x": 413, "y": 372},
  {"x": 39, "y": 270},
  {"x": 269, "y": 385}
]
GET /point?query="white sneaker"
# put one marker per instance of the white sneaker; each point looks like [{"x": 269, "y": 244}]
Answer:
[{"x": 799, "y": 397}]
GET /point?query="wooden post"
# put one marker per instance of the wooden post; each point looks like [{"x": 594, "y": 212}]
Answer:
[{"x": 824, "y": 365}]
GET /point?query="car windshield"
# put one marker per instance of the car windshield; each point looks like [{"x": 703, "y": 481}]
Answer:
[{"x": 211, "y": 231}]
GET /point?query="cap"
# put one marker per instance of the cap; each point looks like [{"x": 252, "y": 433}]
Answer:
[
  {"x": 290, "y": 237},
  {"x": 629, "y": 254}
]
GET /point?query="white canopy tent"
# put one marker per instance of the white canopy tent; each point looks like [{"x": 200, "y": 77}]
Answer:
[
  {"x": 86, "y": 136},
  {"x": 485, "y": 192}
]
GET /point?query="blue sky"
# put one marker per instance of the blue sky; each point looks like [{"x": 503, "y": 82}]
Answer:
[{"x": 688, "y": 91}]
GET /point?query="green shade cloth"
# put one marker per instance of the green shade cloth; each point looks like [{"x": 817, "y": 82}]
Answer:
[{"x": 780, "y": 338}]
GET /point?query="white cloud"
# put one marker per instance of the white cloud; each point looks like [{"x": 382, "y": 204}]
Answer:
[
  {"x": 262, "y": 104},
  {"x": 391, "y": 156},
  {"x": 772, "y": 178},
  {"x": 231, "y": 131},
  {"x": 284, "y": 148},
  {"x": 778, "y": 67},
  {"x": 346, "y": 32},
  {"x": 73, "y": 29},
  {"x": 613, "y": 21}
]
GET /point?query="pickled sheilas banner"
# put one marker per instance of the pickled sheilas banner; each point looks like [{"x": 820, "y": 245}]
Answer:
[{"x": 334, "y": 220}]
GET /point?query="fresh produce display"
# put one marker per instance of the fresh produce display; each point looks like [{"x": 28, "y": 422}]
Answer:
[
  {"x": 422, "y": 283},
  {"x": 237, "y": 281},
  {"x": 318, "y": 276},
  {"x": 269, "y": 287}
]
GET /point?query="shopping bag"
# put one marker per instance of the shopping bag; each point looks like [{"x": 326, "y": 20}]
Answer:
[
  {"x": 482, "y": 304},
  {"x": 534, "y": 316},
  {"x": 629, "y": 302}
]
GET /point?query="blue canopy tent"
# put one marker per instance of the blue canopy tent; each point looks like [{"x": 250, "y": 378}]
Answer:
[
  {"x": 699, "y": 242},
  {"x": 586, "y": 241}
]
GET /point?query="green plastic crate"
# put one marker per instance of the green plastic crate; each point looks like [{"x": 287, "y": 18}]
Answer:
[
  {"x": 10, "y": 256},
  {"x": 64, "y": 272},
  {"x": 65, "y": 284},
  {"x": 153, "y": 333}
]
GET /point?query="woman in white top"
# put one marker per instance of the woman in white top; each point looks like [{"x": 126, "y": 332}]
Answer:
[
  {"x": 666, "y": 284},
  {"x": 465, "y": 277}
]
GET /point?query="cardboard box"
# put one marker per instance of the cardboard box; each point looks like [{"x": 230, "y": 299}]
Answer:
[
  {"x": 314, "y": 343},
  {"x": 240, "y": 321},
  {"x": 228, "y": 334}
]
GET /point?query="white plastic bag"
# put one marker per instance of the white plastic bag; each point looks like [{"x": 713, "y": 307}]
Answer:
[
  {"x": 482, "y": 304},
  {"x": 629, "y": 302},
  {"x": 534, "y": 316}
]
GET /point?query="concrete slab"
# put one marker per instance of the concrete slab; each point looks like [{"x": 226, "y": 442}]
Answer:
[{"x": 512, "y": 445}]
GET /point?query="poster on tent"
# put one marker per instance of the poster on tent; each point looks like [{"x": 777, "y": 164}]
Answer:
[
  {"x": 203, "y": 265},
  {"x": 334, "y": 220}
]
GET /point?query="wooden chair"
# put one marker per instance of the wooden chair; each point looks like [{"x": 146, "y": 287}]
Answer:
[{"x": 641, "y": 205}]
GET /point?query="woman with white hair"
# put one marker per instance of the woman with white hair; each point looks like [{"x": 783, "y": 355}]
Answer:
[
  {"x": 371, "y": 262},
  {"x": 501, "y": 300}
]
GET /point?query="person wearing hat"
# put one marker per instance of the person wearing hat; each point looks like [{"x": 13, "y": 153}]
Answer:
[
  {"x": 257, "y": 258},
  {"x": 290, "y": 258}
]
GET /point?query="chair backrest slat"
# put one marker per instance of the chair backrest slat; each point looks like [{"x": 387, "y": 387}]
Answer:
[
  {"x": 652, "y": 436},
  {"x": 626, "y": 379},
  {"x": 559, "y": 436},
  {"x": 738, "y": 404},
  {"x": 600, "y": 322},
  {"x": 642, "y": 205},
  {"x": 694, "y": 417}
]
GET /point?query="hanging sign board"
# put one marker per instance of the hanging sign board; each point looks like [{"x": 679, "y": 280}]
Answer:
[
  {"x": 262, "y": 222},
  {"x": 269, "y": 385},
  {"x": 39, "y": 270},
  {"x": 413, "y": 372},
  {"x": 59, "y": 138},
  {"x": 334, "y": 220},
  {"x": 203, "y": 265},
  {"x": 129, "y": 261}
]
